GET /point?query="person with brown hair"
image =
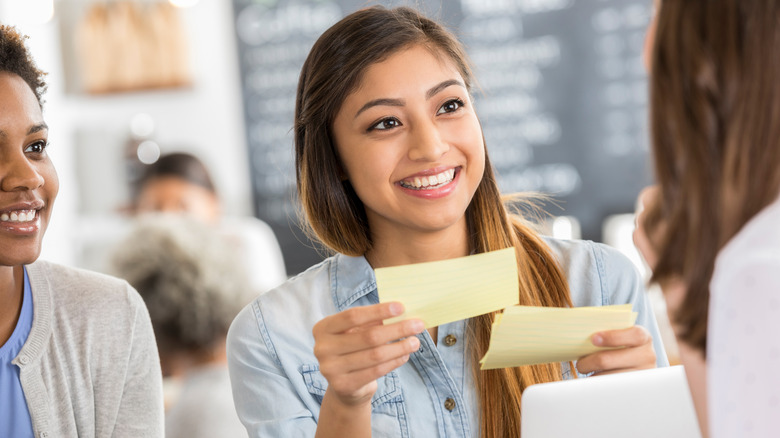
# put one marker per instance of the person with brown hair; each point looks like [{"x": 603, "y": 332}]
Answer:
[
  {"x": 392, "y": 169},
  {"x": 77, "y": 350},
  {"x": 709, "y": 229}
]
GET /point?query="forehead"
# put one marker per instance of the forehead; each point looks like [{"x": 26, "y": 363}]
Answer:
[
  {"x": 18, "y": 104},
  {"x": 417, "y": 65}
]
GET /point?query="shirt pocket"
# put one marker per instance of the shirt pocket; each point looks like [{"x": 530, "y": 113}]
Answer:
[{"x": 388, "y": 409}]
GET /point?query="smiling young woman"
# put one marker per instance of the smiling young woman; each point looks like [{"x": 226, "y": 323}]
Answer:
[
  {"x": 392, "y": 169},
  {"x": 62, "y": 371}
]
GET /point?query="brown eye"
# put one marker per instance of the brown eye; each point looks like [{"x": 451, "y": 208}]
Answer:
[
  {"x": 385, "y": 124},
  {"x": 36, "y": 148},
  {"x": 450, "y": 106}
]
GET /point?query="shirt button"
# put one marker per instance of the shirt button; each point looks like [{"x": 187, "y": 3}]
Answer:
[
  {"x": 450, "y": 340},
  {"x": 449, "y": 404},
  {"x": 24, "y": 360}
]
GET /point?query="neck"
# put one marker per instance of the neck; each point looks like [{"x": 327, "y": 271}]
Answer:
[
  {"x": 11, "y": 295},
  {"x": 407, "y": 247}
]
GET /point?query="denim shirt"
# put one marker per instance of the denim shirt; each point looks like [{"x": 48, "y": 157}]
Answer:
[{"x": 277, "y": 386}]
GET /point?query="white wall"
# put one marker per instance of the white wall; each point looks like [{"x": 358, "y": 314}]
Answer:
[{"x": 206, "y": 119}]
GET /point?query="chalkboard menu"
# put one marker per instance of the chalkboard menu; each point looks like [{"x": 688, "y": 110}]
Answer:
[{"x": 562, "y": 98}]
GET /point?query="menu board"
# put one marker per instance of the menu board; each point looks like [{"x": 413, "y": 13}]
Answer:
[{"x": 562, "y": 97}]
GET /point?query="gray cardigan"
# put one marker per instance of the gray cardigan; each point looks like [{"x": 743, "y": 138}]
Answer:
[{"x": 89, "y": 367}]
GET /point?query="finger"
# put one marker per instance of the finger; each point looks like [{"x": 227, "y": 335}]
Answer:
[
  {"x": 359, "y": 316},
  {"x": 347, "y": 384},
  {"x": 370, "y": 337},
  {"x": 630, "y": 337},
  {"x": 364, "y": 338},
  {"x": 622, "y": 359},
  {"x": 370, "y": 358}
]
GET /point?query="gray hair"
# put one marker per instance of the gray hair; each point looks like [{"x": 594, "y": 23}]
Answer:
[{"x": 192, "y": 281}]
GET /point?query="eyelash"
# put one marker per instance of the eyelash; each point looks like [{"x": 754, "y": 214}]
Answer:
[
  {"x": 375, "y": 125},
  {"x": 43, "y": 144}
]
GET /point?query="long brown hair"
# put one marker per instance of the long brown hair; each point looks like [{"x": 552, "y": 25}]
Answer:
[
  {"x": 337, "y": 217},
  {"x": 715, "y": 106}
]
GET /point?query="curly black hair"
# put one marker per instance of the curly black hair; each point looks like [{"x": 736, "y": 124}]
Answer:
[{"x": 16, "y": 59}]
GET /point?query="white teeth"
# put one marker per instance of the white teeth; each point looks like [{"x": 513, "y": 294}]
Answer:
[
  {"x": 432, "y": 181},
  {"x": 18, "y": 216}
]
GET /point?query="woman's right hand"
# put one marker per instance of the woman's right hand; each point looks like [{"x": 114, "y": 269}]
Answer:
[{"x": 355, "y": 349}]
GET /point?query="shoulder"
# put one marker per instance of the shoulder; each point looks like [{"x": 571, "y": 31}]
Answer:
[
  {"x": 757, "y": 241},
  {"x": 301, "y": 300},
  {"x": 596, "y": 272},
  {"x": 80, "y": 286},
  {"x": 83, "y": 298}
]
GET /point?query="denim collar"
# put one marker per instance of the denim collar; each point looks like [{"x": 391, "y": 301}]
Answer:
[{"x": 351, "y": 278}]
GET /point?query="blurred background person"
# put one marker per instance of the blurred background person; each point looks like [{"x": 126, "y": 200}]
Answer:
[
  {"x": 193, "y": 283},
  {"x": 180, "y": 183}
]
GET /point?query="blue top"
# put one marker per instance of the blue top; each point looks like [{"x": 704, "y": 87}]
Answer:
[
  {"x": 14, "y": 417},
  {"x": 275, "y": 376}
]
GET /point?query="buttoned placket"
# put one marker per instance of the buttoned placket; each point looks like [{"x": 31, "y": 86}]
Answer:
[{"x": 442, "y": 369}]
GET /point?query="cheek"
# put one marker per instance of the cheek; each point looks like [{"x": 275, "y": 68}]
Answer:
[{"x": 52, "y": 181}]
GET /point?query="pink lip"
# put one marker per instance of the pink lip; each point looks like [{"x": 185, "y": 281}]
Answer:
[
  {"x": 32, "y": 205},
  {"x": 429, "y": 172},
  {"x": 23, "y": 228},
  {"x": 436, "y": 193}
]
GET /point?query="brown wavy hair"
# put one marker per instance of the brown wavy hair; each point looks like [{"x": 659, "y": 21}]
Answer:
[
  {"x": 715, "y": 106},
  {"x": 337, "y": 217}
]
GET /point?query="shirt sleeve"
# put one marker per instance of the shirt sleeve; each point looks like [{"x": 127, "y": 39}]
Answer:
[
  {"x": 622, "y": 284},
  {"x": 743, "y": 346},
  {"x": 141, "y": 407},
  {"x": 265, "y": 398}
]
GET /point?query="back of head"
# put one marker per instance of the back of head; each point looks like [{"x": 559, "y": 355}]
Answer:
[
  {"x": 191, "y": 279},
  {"x": 333, "y": 69},
  {"x": 715, "y": 102},
  {"x": 16, "y": 59}
]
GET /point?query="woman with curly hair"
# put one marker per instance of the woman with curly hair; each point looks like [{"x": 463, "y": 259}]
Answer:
[
  {"x": 77, "y": 350},
  {"x": 194, "y": 284}
]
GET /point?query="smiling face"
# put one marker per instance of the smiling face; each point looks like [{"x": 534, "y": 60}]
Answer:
[
  {"x": 411, "y": 145},
  {"x": 28, "y": 181}
]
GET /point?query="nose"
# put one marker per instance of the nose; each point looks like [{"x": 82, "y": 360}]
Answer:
[
  {"x": 427, "y": 143},
  {"x": 20, "y": 174}
]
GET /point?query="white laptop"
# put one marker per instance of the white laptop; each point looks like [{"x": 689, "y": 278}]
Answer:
[{"x": 639, "y": 404}]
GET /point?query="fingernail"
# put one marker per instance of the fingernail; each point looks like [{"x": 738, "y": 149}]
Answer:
[
  {"x": 597, "y": 339},
  {"x": 414, "y": 342},
  {"x": 396, "y": 309},
  {"x": 417, "y": 325}
]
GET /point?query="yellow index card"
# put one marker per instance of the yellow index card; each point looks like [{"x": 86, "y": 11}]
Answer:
[
  {"x": 526, "y": 335},
  {"x": 451, "y": 290}
]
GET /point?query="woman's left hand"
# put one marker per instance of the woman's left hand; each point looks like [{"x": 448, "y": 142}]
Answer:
[{"x": 634, "y": 351}]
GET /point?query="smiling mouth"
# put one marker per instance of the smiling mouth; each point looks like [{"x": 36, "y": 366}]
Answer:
[
  {"x": 18, "y": 216},
  {"x": 429, "y": 182}
]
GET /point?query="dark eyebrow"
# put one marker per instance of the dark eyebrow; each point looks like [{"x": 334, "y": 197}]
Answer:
[
  {"x": 436, "y": 89},
  {"x": 377, "y": 102},
  {"x": 399, "y": 102},
  {"x": 33, "y": 129},
  {"x": 37, "y": 128}
]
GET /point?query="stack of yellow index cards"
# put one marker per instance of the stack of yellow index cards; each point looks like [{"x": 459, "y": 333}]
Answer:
[
  {"x": 451, "y": 290},
  {"x": 525, "y": 335}
]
